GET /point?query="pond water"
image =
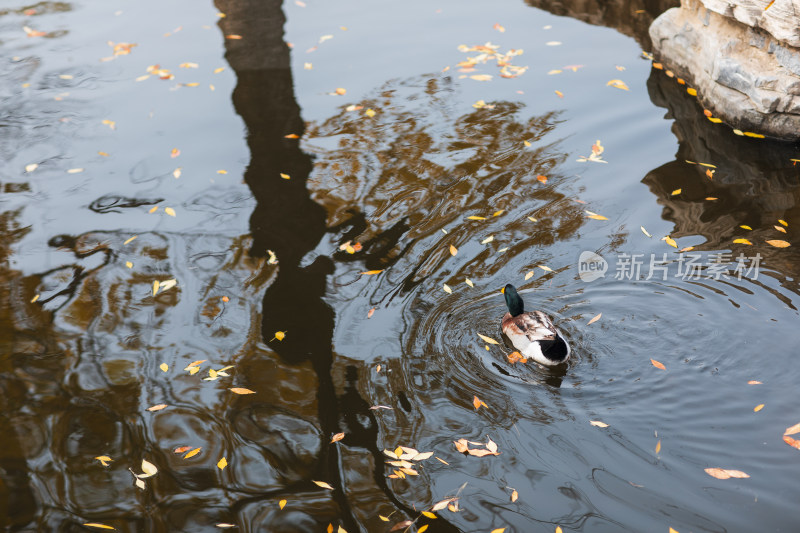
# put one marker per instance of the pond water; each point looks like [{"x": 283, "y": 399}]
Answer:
[{"x": 335, "y": 258}]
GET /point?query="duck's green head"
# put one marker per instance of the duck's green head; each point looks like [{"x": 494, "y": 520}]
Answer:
[{"x": 513, "y": 300}]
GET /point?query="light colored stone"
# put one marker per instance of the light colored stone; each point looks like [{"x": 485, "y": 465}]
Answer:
[
  {"x": 743, "y": 75},
  {"x": 781, "y": 19}
]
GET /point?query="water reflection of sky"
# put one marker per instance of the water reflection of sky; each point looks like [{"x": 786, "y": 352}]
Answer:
[{"x": 83, "y": 361}]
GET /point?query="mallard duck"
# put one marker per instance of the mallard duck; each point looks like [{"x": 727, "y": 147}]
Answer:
[{"x": 533, "y": 333}]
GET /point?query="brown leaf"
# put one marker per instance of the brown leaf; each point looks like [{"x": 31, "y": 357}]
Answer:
[
  {"x": 657, "y": 364},
  {"x": 402, "y": 525}
]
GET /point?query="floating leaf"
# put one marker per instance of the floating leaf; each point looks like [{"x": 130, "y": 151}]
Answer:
[
  {"x": 783, "y": 222},
  {"x": 340, "y": 91},
  {"x": 596, "y": 217},
  {"x": 645, "y": 231},
  {"x": 371, "y": 272},
  {"x": 475, "y": 218},
  {"x": 282, "y": 504},
  {"x": 669, "y": 240},
  {"x": 658, "y": 446},
  {"x": 97, "y": 525},
  {"x": 779, "y": 229},
  {"x": 794, "y": 443},
  {"x": 742, "y": 241},
  {"x": 598, "y": 423},
  {"x": 322, "y": 484},
  {"x": 169, "y": 211},
  {"x": 481, "y": 77},
  {"x": 285, "y": 176},
  {"x": 675, "y": 192},
  {"x": 758, "y": 407},
  {"x": 499, "y": 530},
  {"x": 104, "y": 459},
  {"x": 181, "y": 449},
  {"x": 74, "y": 171},
  {"x": 337, "y": 437},
  {"x": 175, "y": 153},
  {"x": 222, "y": 463},
  {"x": 477, "y": 403},
  {"x": 469, "y": 282},
  {"x": 446, "y": 288},
  {"x": 148, "y": 468},
  {"x": 31, "y": 167},
  {"x": 529, "y": 275},
  {"x": 722, "y": 473},
  {"x": 754, "y": 382},
  {"x": 559, "y": 94},
  {"x": 453, "y": 250},
  {"x": 595, "y": 319},
  {"x": 514, "y": 495},
  {"x": 428, "y": 514},
  {"x": 225, "y": 525},
  {"x": 192, "y": 453},
  {"x": 542, "y": 178},
  {"x": 241, "y": 390},
  {"x": 619, "y": 84},
  {"x": 745, "y": 227},
  {"x": 280, "y": 335},
  {"x": 778, "y": 243},
  {"x": 658, "y": 364},
  {"x": 157, "y": 407},
  {"x": 488, "y": 239},
  {"x": 488, "y": 339},
  {"x": 789, "y": 431}
]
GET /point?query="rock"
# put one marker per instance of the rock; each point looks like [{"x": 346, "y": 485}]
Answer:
[
  {"x": 780, "y": 20},
  {"x": 744, "y": 75}
]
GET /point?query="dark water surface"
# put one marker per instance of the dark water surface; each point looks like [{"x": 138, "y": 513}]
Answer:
[{"x": 87, "y": 348}]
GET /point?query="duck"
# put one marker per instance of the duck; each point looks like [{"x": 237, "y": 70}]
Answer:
[{"x": 533, "y": 332}]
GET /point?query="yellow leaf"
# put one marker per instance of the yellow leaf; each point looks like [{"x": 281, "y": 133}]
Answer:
[
  {"x": 778, "y": 243},
  {"x": 192, "y": 453},
  {"x": 337, "y": 437},
  {"x": 164, "y": 367},
  {"x": 619, "y": 84},
  {"x": 558, "y": 529},
  {"x": 658, "y": 446},
  {"x": 645, "y": 231},
  {"x": 153, "y": 209},
  {"x": 498, "y": 213},
  {"x": 476, "y": 218},
  {"x": 385, "y": 519},
  {"x": 481, "y": 77},
  {"x": 469, "y": 282},
  {"x": 285, "y": 176},
  {"x": 222, "y": 463},
  {"x": 488, "y": 239},
  {"x": 783, "y": 222},
  {"x": 559, "y": 94},
  {"x": 488, "y": 339},
  {"x": 526, "y": 143},
  {"x": 453, "y": 250},
  {"x": 372, "y": 272},
  {"x": 598, "y": 423},
  {"x": 499, "y": 530},
  {"x": 779, "y": 228},
  {"x": 99, "y": 526},
  {"x": 282, "y": 504},
  {"x": 428, "y": 514},
  {"x": 745, "y": 227},
  {"x": 35, "y": 298},
  {"x": 758, "y": 407},
  {"x": 715, "y": 120},
  {"x": 340, "y": 91},
  {"x": 676, "y": 191},
  {"x": 514, "y": 495},
  {"x": 423, "y": 528},
  {"x": 672, "y": 530},
  {"x": 529, "y": 275},
  {"x": 671, "y": 241},
  {"x": 754, "y": 135},
  {"x": 157, "y": 407},
  {"x": 218, "y": 70},
  {"x": 169, "y": 211},
  {"x": 104, "y": 154},
  {"x": 741, "y": 241},
  {"x": 222, "y": 171},
  {"x": 322, "y": 484},
  {"x": 545, "y": 268},
  {"x": 241, "y": 390},
  {"x": 446, "y": 288},
  {"x": 596, "y": 217},
  {"x": 156, "y": 284},
  {"x": 280, "y": 335},
  {"x": 691, "y": 91},
  {"x": 370, "y": 113}
]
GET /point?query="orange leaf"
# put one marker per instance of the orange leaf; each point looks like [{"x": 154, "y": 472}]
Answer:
[
  {"x": 792, "y": 430},
  {"x": 477, "y": 402},
  {"x": 658, "y": 364},
  {"x": 754, "y": 382},
  {"x": 337, "y": 437},
  {"x": 794, "y": 443},
  {"x": 192, "y": 453},
  {"x": 322, "y": 484},
  {"x": 241, "y": 390},
  {"x": 541, "y": 178},
  {"x": 453, "y": 250},
  {"x": 157, "y": 407},
  {"x": 516, "y": 357},
  {"x": 372, "y": 272},
  {"x": 182, "y": 449},
  {"x": 778, "y": 243}
]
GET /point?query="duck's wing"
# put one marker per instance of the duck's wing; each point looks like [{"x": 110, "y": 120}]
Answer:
[{"x": 536, "y": 326}]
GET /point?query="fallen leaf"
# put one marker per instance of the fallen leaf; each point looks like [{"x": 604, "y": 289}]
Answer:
[
  {"x": 783, "y": 222},
  {"x": 169, "y": 211},
  {"x": 675, "y": 192},
  {"x": 596, "y": 217},
  {"x": 446, "y": 288},
  {"x": 477, "y": 402},
  {"x": 488, "y": 339},
  {"x": 619, "y": 84},
  {"x": 742, "y": 241},
  {"x": 542, "y": 178},
  {"x": 282, "y": 504},
  {"x": 469, "y": 282},
  {"x": 104, "y": 459},
  {"x": 74, "y": 170},
  {"x": 453, "y": 250},
  {"x": 280, "y": 335},
  {"x": 559, "y": 94},
  {"x": 181, "y": 449},
  {"x": 645, "y": 231},
  {"x": 337, "y": 437},
  {"x": 754, "y": 382},
  {"x": 31, "y": 167},
  {"x": 745, "y": 227},
  {"x": 658, "y": 446},
  {"x": 529, "y": 275},
  {"x": 481, "y": 77},
  {"x": 514, "y": 495},
  {"x": 789, "y": 431},
  {"x": 175, "y": 153},
  {"x": 97, "y": 525},
  {"x": 240, "y": 390},
  {"x": 192, "y": 453},
  {"x": 473, "y": 217},
  {"x": 340, "y": 91},
  {"x": 722, "y": 473},
  {"x": 322, "y": 484},
  {"x": 779, "y": 229},
  {"x": 658, "y": 364},
  {"x": 488, "y": 239},
  {"x": 595, "y": 319},
  {"x": 758, "y": 407},
  {"x": 372, "y": 272},
  {"x": 285, "y": 176},
  {"x": 225, "y": 525},
  {"x": 157, "y": 407},
  {"x": 598, "y": 423},
  {"x": 778, "y": 243},
  {"x": 148, "y": 468},
  {"x": 794, "y": 443},
  {"x": 499, "y": 530},
  {"x": 222, "y": 463}
]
